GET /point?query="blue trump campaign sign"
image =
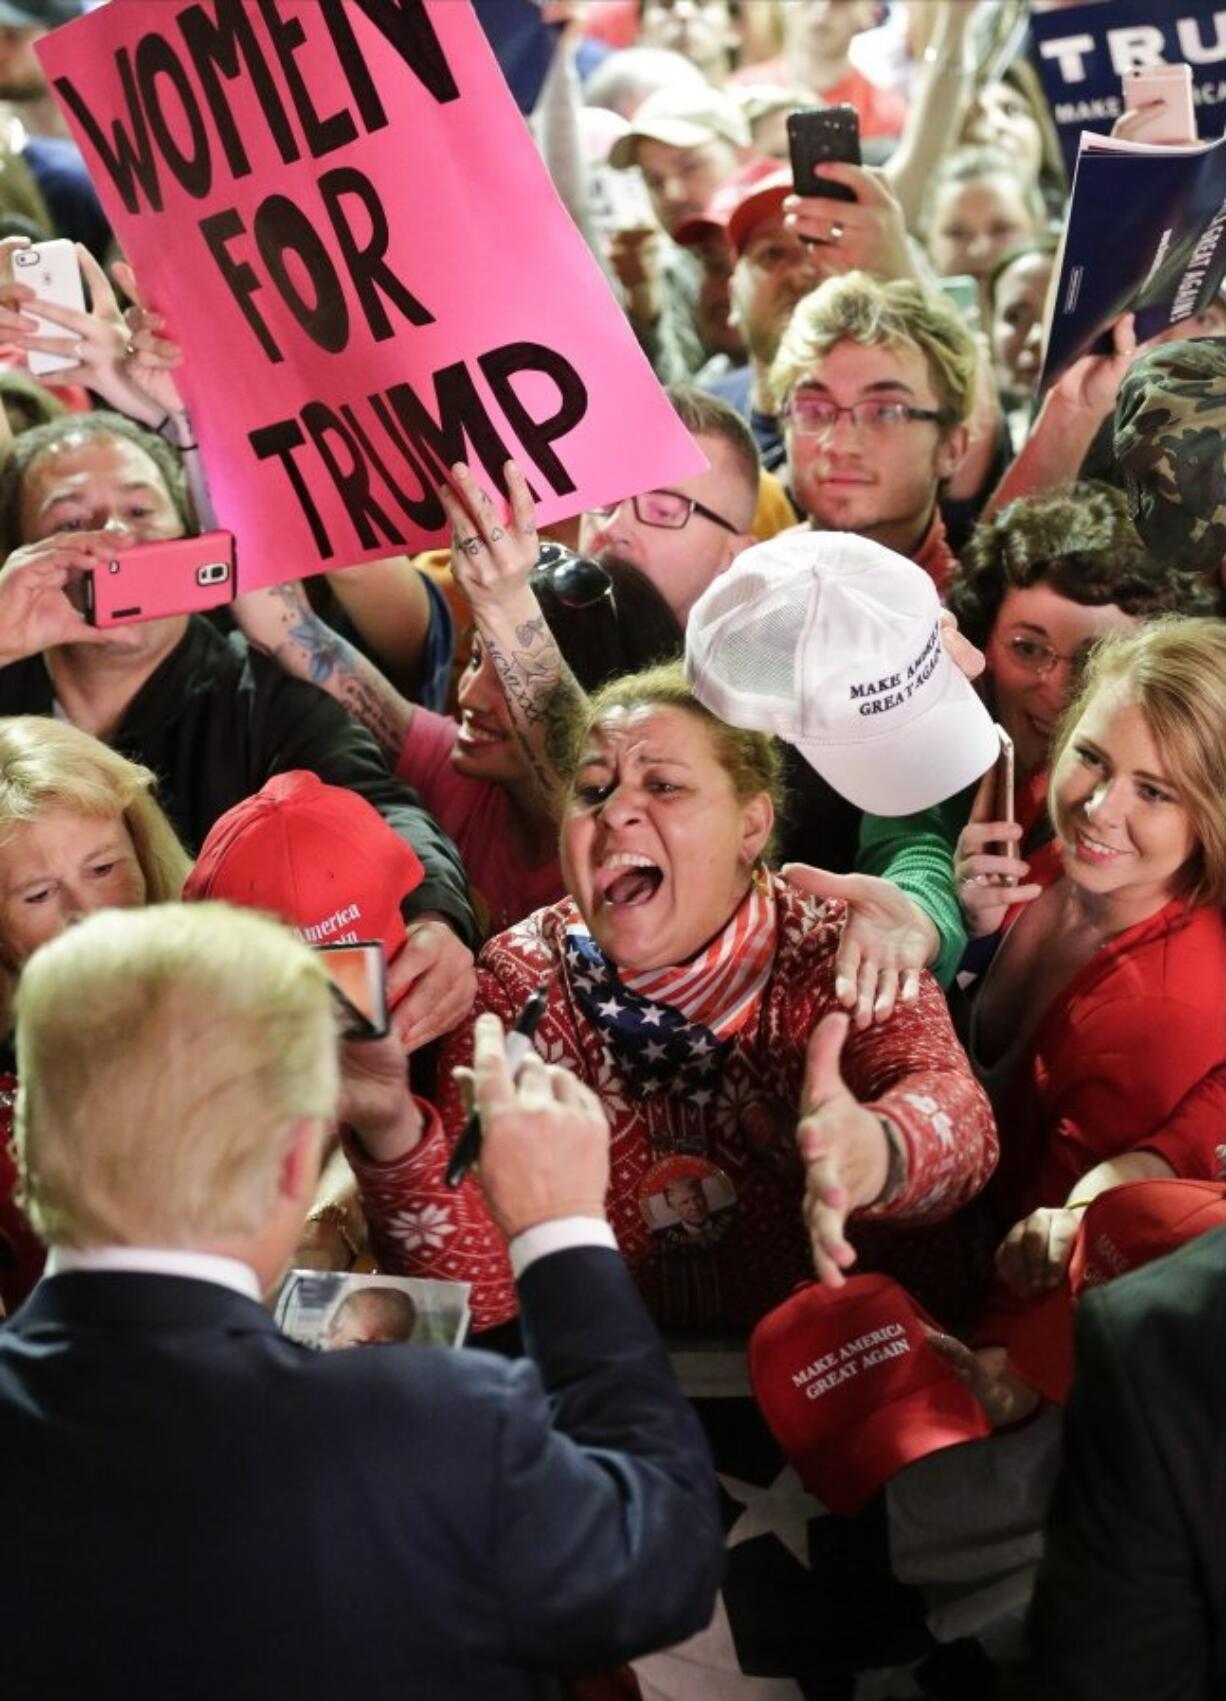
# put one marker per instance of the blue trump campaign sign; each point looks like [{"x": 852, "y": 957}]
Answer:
[{"x": 1082, "y": 53}]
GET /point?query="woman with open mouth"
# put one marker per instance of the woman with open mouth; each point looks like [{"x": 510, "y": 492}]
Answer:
[{"x": 694, "y": 991}]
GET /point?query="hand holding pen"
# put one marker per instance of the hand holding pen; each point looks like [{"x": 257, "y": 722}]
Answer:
[
  {"x": 518, "y": 1048},
  {"x": 545, "y": 1140}
]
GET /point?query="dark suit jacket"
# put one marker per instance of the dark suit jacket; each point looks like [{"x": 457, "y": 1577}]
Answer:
[
  {"x": 1131, "y": 1598},
  {"x": 195, "y": 1507}
]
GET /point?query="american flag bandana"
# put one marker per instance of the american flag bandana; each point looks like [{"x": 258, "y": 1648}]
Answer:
[{"x": 670, "y": 1028}]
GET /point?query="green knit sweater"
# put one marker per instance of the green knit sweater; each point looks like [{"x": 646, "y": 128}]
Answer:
[{"x": 916, "y": 852}]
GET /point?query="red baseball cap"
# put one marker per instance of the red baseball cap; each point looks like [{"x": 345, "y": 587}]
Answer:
[
  {"x": 852, "y": 1389},
  {"x": 318, "y": 856},
  {"x": 760, "y": 202},
  {"x": 1124, "y": 1228},
  {"x": 727, "y": 199}
]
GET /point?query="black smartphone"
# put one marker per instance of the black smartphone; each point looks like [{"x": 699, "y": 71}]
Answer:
[
  {"x": 358, "y": 973},
  {"x": 821, "y": 133}
]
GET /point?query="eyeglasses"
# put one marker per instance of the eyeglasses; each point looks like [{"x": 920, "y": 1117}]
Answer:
[
  {"x": 817, "y": 416},
  {"x": 666, "y": 509},
  {"x": 574, "y": 581},
  {"x": 1039, "y": 658}
]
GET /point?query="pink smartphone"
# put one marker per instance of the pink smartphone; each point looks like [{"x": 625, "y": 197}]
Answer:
[
  {"x": 154, "y": 580},
  {"x": 1175, "y": 120}
]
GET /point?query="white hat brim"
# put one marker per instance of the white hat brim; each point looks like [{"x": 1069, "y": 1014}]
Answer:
[{"x": 913, "y": 767}]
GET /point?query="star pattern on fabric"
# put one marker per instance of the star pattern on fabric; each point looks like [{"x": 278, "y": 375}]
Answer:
[
  {"x": 781, "y": 1509},
  {"x": 656, "y": 1047}
]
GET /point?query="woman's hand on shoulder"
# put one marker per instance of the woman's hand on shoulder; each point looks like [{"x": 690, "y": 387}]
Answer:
[{"x": 887, "y": 940}]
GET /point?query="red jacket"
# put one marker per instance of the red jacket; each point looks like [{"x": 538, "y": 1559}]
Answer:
[{"x": 1137, "y": 1028}]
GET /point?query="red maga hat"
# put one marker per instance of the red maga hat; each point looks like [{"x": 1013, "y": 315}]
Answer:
[
  {"x": 1122, "y": 1229},
  {"x": 852, "y": 1389},
  {"x": 724, "y": 206},
  {"x": 318, "y": 856}
]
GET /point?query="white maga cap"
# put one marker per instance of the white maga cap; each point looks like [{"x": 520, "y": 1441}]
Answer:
[{"x": 833, "y": 643}]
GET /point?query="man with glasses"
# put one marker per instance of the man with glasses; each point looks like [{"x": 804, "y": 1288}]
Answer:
[
  {"x": 875, "y": 384},
  {"x": 777, "y": 264},
  {"x": 684, "y": 535}
]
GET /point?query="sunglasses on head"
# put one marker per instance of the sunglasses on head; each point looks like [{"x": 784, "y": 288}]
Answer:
[{"x": 575, "y": 581}]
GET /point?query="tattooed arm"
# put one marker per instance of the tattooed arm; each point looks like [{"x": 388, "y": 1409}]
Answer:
[
  {"x": 492, "y": 563},
  {"x": 389, "y": 604},
  {"x": 544, "y": 697},
  {"x": 281, "y": 622}
]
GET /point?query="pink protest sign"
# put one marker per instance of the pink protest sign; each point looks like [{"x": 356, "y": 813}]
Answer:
[{"x": 343, "y": 217}]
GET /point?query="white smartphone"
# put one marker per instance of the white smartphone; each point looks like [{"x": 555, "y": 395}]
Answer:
[
  {"x": 618, "y": 200},
  {"x": 1174, "y": 121},
  {"x": 50, "y": 269}
]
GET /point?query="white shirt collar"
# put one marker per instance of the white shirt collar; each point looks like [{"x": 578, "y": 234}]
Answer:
[{"x": 156, "y": 1261}]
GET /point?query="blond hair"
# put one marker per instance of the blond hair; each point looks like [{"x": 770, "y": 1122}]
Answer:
[
  {"x": 163, "y": 1055},
  {"x": 1174, "y": 670},
  {"x": 856, "y": 307},
  {"x": 46, "y": 765}
]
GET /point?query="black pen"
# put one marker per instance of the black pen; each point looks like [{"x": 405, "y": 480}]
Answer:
[{"x": 519, "y": 1046}]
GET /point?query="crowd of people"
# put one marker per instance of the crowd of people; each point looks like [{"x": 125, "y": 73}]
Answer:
[{"x": 808, "y": 877}]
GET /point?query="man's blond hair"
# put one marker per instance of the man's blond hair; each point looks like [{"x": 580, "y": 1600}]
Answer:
[
  {"x": 163, "y": 1056},
  {"x": 856, "y": 307}
]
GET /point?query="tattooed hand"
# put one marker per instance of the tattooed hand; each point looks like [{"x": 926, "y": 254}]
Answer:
[
  {"x": 492, "y": 563},
  {"x": 491, "y": 560}
]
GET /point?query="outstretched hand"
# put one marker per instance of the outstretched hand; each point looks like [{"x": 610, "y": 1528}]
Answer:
[
  {"x": 431, "y": 982},
  {"x": 844, "y": 1149},
  {"x": 375, "y": 1099},
  {"x": 887, "y": 940},
  {"x": 152, "y": 355}
]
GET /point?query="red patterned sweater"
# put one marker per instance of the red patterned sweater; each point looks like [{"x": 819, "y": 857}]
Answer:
[{"x": 912, "y": 1069}]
